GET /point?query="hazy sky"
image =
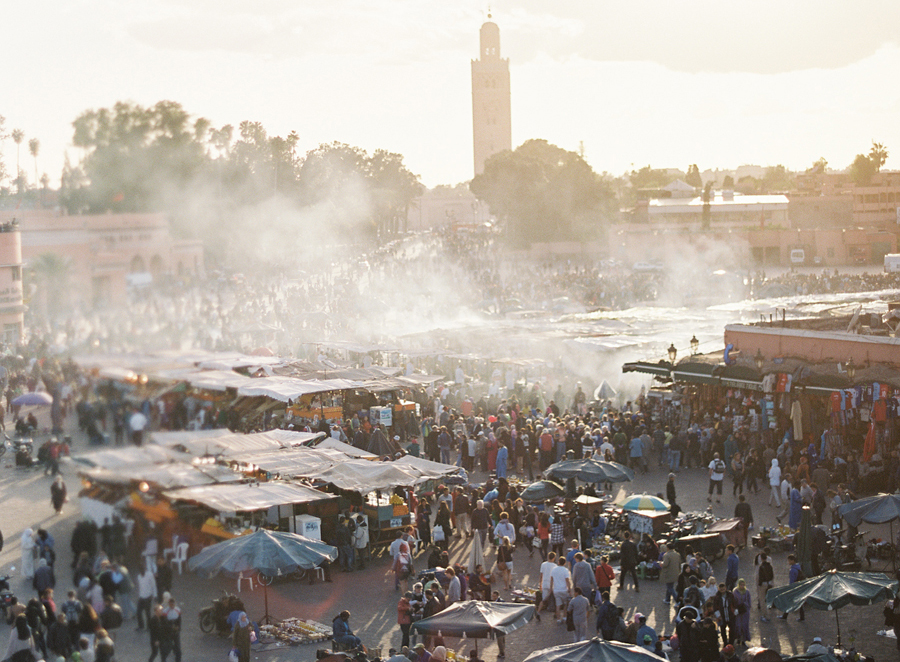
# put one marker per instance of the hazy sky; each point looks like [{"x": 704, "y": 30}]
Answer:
[{"x": 654, "y": 82}]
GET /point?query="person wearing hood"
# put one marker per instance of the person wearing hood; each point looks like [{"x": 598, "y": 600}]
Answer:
[
  {"x": 505, "y": 529},
  {"x": 28, "y": 546},
  {"x": 341, "y": 631},
  {"x": 775, "y": 483},
  {"x": 43, "y": 577},
  {"x": 241, "y": 637},
  {"x": 796, "y": 509}
]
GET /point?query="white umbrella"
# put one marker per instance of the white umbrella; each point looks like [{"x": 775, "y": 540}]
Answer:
[
  {"x": 604, "y": 391},
  {"x": 476, "y": 556}
]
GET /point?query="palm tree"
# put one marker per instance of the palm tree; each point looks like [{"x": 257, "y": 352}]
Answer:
[
  {"x": 34, "y": 146},
  {"x": 45, "y": 181},
  {"x": 18, "y": 136},
  {"x": 3, "y": 137}
]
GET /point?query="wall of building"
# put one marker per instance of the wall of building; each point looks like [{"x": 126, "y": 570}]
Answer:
[
  {"x": 813, "y": 346},
  {"x": 12, "y": 310},
  {"x": 820, "y": 211},
  {"x": 825, "y": 247},
  {"x": 102, "y": 250},
  {"x": 446, "y": 207}
]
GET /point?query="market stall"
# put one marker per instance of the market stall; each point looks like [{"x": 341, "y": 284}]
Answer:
[{"x": 232, "y": 510}]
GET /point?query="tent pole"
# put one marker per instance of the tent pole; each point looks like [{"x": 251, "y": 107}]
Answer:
[
  {"x": 893, "y": 550},
  {"x": 838, "y": 619},
  {"x": 266, "y": 619}
]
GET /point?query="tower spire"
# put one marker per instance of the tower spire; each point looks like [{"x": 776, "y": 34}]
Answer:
[{"x": 491, "y": 122}]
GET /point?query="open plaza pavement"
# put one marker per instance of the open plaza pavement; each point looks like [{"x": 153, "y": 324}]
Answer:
[{"x": 369, "y": 594}]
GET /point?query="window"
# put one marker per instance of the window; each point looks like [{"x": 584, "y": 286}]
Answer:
[
  {"x": 830, "y": 251},
  {"x": 16, "y": 273},
  {"x": 11, "y": 333}
]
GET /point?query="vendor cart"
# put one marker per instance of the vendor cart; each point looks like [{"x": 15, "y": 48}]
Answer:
[
  {"x": 708, "y": 544},
  {"x": 732, "y": 531},
  {"x": 652, "y": 522},
  {"x": 384, "y": 521}
]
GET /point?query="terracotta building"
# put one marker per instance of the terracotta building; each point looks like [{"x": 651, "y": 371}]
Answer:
[
  {"x": 11, "y": 308},
  {"x": 491, "y": 123},
  {"x": 103, "y": 253}
]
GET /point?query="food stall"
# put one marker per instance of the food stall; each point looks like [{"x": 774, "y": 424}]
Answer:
[
  {"x": 652, "y": 522},
  {"x": 370, "y": 485},
  {"x": 225, "y": 511}
]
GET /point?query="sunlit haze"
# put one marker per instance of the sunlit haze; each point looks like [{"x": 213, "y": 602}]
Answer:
[{"x": 666, "y": 84}]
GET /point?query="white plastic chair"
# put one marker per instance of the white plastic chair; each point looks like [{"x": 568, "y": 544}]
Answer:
[
  {"x": 129, "y": 529},
  {"x": 180, "y": 555},
  {"x": 171, "y": 550},
  {"x": 241, "y": 578},
  {"x": 151, "y": 549}
]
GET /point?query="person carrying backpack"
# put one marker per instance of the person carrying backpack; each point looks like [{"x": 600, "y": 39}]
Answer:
[
  {"x": 607, "y": 618},
  {"x": 716, "y": 476},
  {"x": 692, "y": 595}
]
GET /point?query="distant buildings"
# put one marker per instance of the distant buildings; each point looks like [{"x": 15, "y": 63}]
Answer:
[
  {"x": 99, "y": 254},
  {"x": 491, "y": 122},
  {"x": 448, "y": 207},
  {"x": 12, "y": 310}
]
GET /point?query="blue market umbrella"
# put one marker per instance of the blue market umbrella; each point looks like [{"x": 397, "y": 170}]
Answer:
[
  {"x": 39, "y": 398},
  {"x": 270, "y": 553},
  {"x": 595, "y": 650},
  {"x": 877, "y": 509},
  {"x": 541, "y": 491},
  {"x": 590, "y": 471},
  {"x": 831, "y": 591},
  {"x": 475, "y": 619}
]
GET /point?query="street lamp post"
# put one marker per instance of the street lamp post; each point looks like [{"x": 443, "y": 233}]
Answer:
[
  {"x": 851, "y": 369},
  {"x": 673, "y": 353},
  {"x": 759, "y": 359},
  {"x": 695, "y": 345}
]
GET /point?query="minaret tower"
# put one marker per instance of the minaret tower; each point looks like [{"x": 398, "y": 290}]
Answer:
[{"x": 491, "y": 124}]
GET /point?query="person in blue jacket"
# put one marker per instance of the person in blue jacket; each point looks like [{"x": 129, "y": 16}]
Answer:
[
  {"x": 341, "y": 632},
  {"x": 502, "y": 458},
  {"x": 796, "y": 508}
]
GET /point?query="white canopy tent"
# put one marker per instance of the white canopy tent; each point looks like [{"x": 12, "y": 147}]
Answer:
[
  {"x": 243, "y": 497},
  {"x": 167, "y": 476},
  {"x": 231, "y": 444},
  {"x": 285, "y": 389},
  {"x": 291, "y": 462},
  {"x": 114, "y": 458},
  {"x": 347, "y": 449}
]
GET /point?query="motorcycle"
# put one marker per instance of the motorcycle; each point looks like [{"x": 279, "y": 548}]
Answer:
[
  {"x": 839, "y": 556},
  {"x": 6, "y": 595},
  {"x": 266, "y": 580},
  {"x": 215, "y": 616},
  {"x": 22, "y": 448}
]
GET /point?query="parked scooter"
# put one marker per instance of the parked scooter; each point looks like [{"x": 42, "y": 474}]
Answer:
[
  {"x": 215, "y": 616},
  {"x": 6, "y": 595},
  {"x": 22, "y": 448}
]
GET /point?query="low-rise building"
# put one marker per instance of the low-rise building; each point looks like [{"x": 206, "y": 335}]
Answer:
[
  {"x": 97, "y": 254},
  {"x": 12, "y": 310}
]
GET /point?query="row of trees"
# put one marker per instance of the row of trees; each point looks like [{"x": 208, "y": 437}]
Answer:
[
  {"x": 212, "y": 180},
  {"x": 20, "y": 181},
  {"x": 541, "y": 192},
  {"x": 208, "y": 179}
]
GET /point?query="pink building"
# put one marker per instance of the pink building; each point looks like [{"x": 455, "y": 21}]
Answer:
[
  {"x": 102, "y": 251},
  {"x": 12, "y": 310}
]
